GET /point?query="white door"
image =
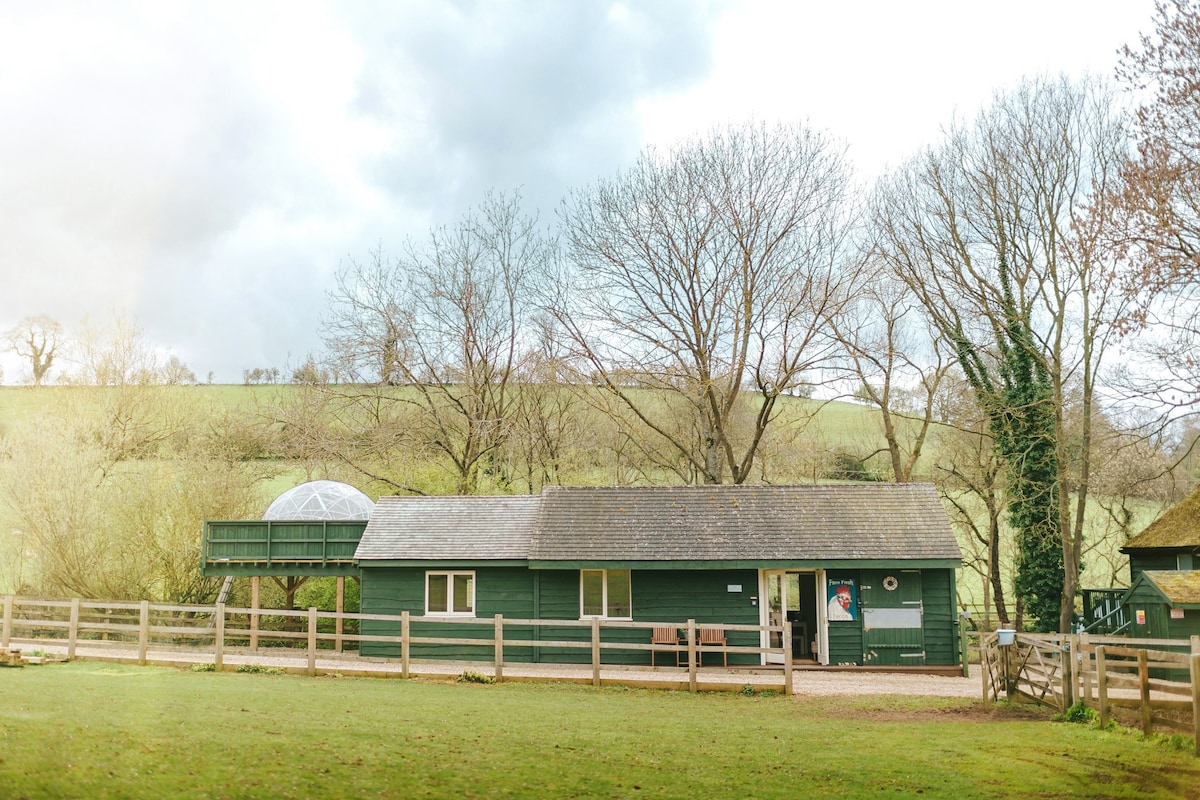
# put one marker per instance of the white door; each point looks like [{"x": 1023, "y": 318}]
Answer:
[{"x": 781, "y": 590}]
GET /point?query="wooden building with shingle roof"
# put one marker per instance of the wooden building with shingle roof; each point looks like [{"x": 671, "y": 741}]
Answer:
[
  {"x": 1171, "y": 542},
  {"x": 863, "y": 574}
]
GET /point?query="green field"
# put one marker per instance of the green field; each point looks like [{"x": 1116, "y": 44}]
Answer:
[{"x": 107, "y": 731}]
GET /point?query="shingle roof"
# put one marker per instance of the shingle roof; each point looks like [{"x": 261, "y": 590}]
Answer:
[
  {"x": 690, "y": 523},
  {"x": 1180, "y": 588},
  {"x": 449, "y": 528},
  {"x": 1179, "y": 526},
  {"x": 713, "y": 523}
]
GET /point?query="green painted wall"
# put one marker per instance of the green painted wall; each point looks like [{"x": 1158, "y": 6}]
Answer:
[
  {"x": 498, "y": 590},
  {"x": 941, "y": 618},
  {"x": 657, "y": 596},
  {"x": 1151, "y": 560}
]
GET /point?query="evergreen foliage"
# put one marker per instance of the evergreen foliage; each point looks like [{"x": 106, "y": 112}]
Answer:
[{"x": 1019, "y": 404}]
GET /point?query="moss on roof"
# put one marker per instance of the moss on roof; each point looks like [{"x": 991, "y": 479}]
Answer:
[
  {"x": 1178, "y": 527},
  {"x": 1180, "y": 588}
]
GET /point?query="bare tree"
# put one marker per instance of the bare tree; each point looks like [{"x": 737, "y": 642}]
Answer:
[
  {"x": 988, "y": 230},
  {"x": 444, "y": 324},
  {"x": 700, "y": 283},
  {"x": 1153, "y": 214},
  {"x": 36, "y": 340},
  {"x": 899, "y": 371},
  {"x": 114, "y": 354}
]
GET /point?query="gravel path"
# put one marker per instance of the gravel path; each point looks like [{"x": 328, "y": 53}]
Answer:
[{"x": 806, "y": 682}]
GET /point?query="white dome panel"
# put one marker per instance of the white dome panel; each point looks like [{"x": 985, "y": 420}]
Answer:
[{"x": 321, "y": 500}]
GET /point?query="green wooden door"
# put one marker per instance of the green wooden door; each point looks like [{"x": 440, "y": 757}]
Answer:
[{"x": 892, "y": 617}]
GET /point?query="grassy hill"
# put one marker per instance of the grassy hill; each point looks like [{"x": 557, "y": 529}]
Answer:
[{"x": 811, "y": 441}]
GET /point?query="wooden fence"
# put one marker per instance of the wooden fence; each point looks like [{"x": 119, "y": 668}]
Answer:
[
  {"x": 218, "y": 630},
  {"x": 1159, "y": 678}
]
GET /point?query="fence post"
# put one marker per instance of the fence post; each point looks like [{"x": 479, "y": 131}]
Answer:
[
  {"x": 1068, "y": 674},
  {"x": 255, "y": 588},
  {"x": 787, "y": 658},
  {"x": 962, "y": 647},
  {"x": 6, "y": 626},
  {"x": 219, "y": 636},
  {"x": 1195, "y": 665},
  {"x": 312, "y": 640},
  {"x": 405, "y": 627},
  {"x": 73, "y": 629},
  {"x": 1102, "y": 685},
  {"x": 499, "y": 648},
  {"x": 595, "y": 651},
  {"x": 692, "y": 654},
  {"x": 1085, "y": 669},
  {"x": 1144, "y": 680},
  {"x": 143, "y": 631},
  {"x": 340, "y": 627},
  {"x": 985, "y": 668}
]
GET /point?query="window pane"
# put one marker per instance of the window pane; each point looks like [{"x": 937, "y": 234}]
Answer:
[
  {"x": 593, "y": 592},
  {"x": 463, "y": 593},
  {"x": 618, "y": 593},
  {"x": 437, "y": 593}
]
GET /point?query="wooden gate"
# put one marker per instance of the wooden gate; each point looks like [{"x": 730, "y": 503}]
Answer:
[{"x": 1032, "y": 669}]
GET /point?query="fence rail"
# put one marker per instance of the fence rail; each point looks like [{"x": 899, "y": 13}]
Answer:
[
  {"x": 1160, "y": 678},
  {"x": 220, "y": 629}
]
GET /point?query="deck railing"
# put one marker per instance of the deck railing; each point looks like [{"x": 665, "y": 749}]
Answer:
[{"x": 219, "y": 630}]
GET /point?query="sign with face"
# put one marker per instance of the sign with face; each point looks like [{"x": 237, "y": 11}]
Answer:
[{"x": 843, "y": 600}]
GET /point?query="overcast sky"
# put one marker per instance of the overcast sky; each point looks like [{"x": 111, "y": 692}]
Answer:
[{"x": 204, "y": 168}]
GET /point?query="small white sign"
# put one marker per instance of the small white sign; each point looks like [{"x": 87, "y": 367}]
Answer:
[
  {"x": 734, "y": 587},
  {"x": 1176, "y": 613}
]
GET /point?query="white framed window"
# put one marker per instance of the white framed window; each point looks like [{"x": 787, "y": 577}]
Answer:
[
  {"x": 450, "y": 593},
  {"x": 605, "y": 593}
]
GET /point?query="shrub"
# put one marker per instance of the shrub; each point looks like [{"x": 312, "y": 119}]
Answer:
[{"x": 471, "y": 676}]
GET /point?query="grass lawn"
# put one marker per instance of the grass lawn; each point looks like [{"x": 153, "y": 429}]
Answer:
[{"x": 91, "y": 730}]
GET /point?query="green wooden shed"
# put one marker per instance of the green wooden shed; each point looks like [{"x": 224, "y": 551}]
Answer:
[
  {"x": 863, "y": 574},
  {"x": 1165, "y": 604}
]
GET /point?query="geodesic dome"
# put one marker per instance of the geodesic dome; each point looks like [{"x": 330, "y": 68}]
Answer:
[{"x": 321, "y": 500}]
